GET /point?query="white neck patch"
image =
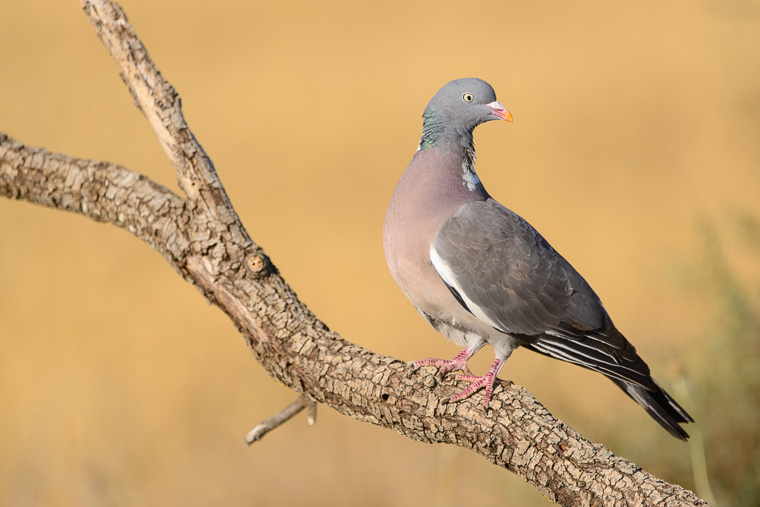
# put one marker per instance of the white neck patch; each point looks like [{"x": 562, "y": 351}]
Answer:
[{"x": 469, "y": 176}]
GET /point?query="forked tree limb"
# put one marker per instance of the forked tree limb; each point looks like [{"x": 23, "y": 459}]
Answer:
[{"x": 201, "y": 236}]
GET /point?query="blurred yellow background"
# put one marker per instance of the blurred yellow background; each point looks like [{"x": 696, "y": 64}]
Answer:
[{"x": 634, "y": 124}]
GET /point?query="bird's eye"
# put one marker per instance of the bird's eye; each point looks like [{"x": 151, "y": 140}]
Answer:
[{"x": 467, "y": 97}]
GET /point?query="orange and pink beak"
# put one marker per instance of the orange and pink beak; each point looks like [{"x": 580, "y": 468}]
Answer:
[{"x": 499, "y": 111}]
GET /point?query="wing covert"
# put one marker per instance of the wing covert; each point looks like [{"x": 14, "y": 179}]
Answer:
[
  {"x": 514, "y": 281},
  {"x": 505, "y": 267}
]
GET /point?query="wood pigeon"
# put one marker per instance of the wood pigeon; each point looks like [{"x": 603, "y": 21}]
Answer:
[{"x": 479, "y": 273}]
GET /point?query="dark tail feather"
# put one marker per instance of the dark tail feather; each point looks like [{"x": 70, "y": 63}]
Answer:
[
  {"x": 660, "y": 406},
  {"x": 626, "y": 369}
]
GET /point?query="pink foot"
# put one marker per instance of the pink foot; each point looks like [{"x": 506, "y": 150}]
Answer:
[
  {"x": 458, "y": 363},
  {"x": 488, "y": 381}
]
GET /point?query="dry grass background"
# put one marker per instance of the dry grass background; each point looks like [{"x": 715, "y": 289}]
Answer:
[{"x": 120, "y": 386}]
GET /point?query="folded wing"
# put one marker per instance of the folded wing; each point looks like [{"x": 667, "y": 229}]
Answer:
[{"x": 506, "y": 274}]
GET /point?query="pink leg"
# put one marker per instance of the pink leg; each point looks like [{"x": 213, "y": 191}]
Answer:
[
  {"x": 486, "y": 381},
  {"x": 458, "y": 363}
]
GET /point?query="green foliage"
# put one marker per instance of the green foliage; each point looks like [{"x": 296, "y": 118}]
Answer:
[{"x": 727, "y": 382}]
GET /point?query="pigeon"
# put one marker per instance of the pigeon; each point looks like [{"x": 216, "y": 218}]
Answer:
[{"x": 479, "y": 273}]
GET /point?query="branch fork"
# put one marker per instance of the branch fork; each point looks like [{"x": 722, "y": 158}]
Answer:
[{"x": 203, "y": 239}]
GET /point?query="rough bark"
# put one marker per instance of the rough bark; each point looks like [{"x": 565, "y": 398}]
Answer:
[{"x": 202, "y": 237}]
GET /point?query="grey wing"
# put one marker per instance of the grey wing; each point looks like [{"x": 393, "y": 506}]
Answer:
[
  {"x": 502, "y": 270},
  {"x": 512, "y": 279}
]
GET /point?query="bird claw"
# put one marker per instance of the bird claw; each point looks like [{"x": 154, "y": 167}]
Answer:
[
  {"x": 444, "y": 366},
  {"x": 490, "y": 381},
  {"x": 459, "y": 363},
  {"x": 466, "y": 371}
]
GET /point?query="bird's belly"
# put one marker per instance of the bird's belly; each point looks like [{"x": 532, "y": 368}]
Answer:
[{"x": 409, "y": 263}]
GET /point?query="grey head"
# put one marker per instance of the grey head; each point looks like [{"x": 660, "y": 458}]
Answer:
[{"x": 457, "y": 108}]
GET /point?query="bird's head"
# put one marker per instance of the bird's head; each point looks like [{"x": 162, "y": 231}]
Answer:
[{"x": 464, "y": 104}]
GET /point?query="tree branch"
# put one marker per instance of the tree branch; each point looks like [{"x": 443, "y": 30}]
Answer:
[
  {"x": 203, "y": 239},
  {"x": 283, "y": 416},
  {"x": 160, "y": 104}
]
